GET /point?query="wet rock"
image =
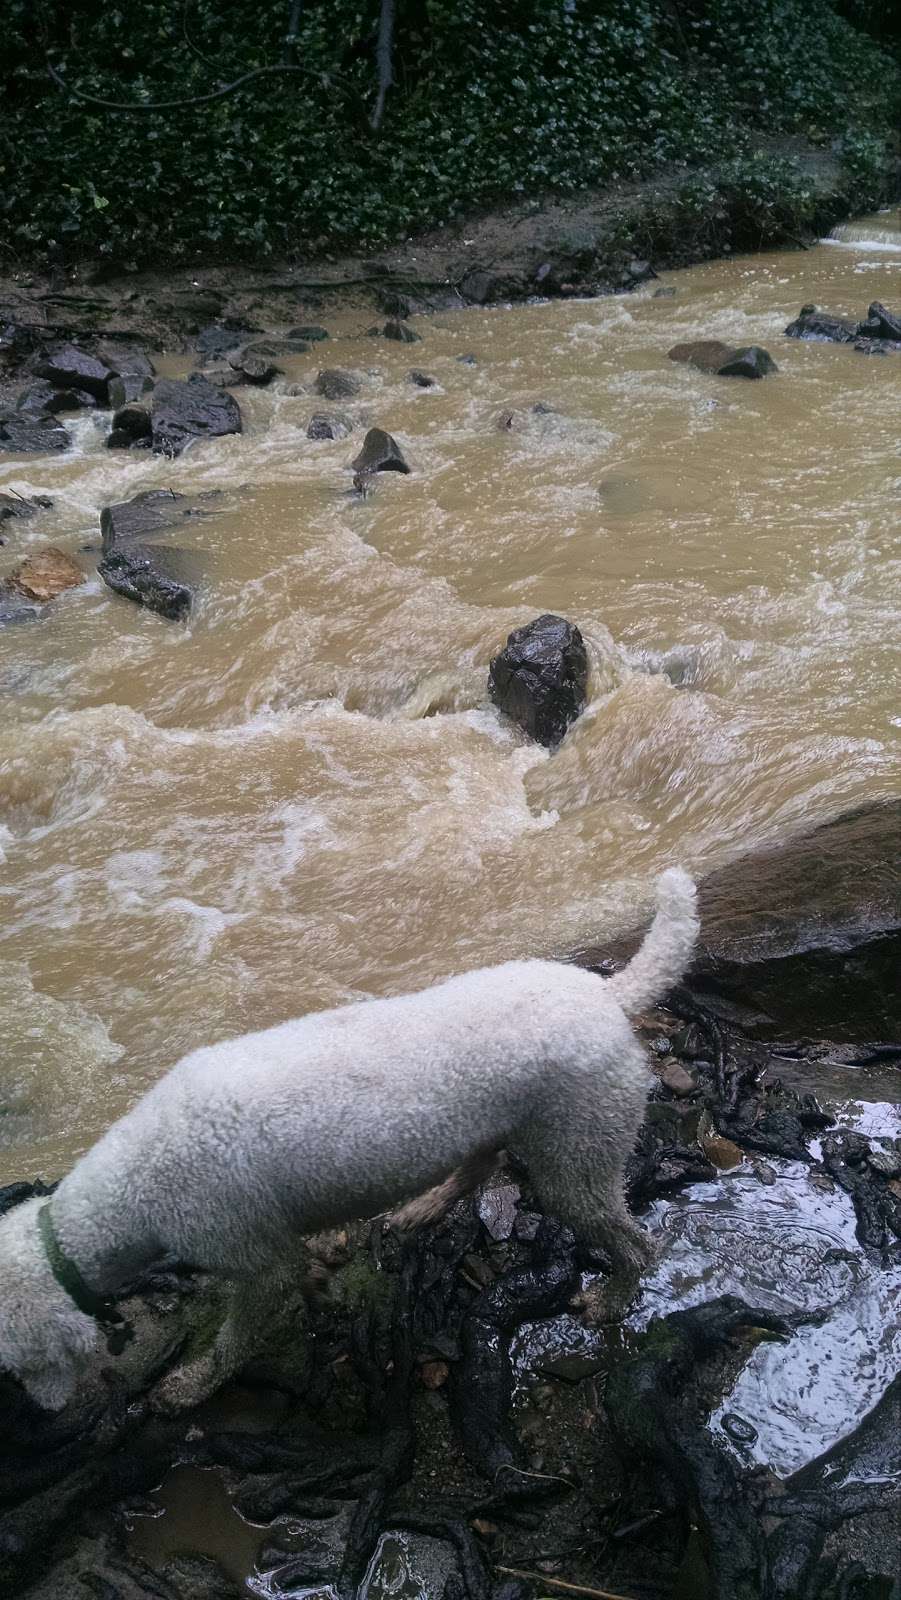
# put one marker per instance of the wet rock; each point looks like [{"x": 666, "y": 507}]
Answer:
[
  {"x": 68, "y": 367},
  {"x": 45, "y": 574},
  {"x": 43, "y": 399},
  {"x": 272, "y": 349},
  {"x": 131, "y": 425},
  {"x": 183, "y": 411},
  {"x": 124, "y": 390},
  {"x": 804, "y": 939},
  {"x": 400, "y": 332},
  {"x": 218, "y": 338},
  {"x": 540, "y": 678},
  {"x": 880, "y": 324},
  {"x": 24, "y": 435},
  {"x": 334, "y": 384},
  {"x": 421, "y": 379},
  {"x": 727, "y": 361},
  {"x": 818, "y": 325},
  {"x": 310, "y": 333},
  {"x": 254, "y": 369},
  {"x": 481, "y": 287},
  {"x": 885, "y": 1162},
  {"x": 15, "y": 608},
  {"x": 380, "y": 453},
  {"x": 497, "y": 1210},
  {"x": 152, "y": 576},
  {"x": 723, "y": 1153},
  {"x": 666, "y": 293},
  {"x": 707, "y": 355},
  {"x": 675, "y": 1078},
  {"x": 467, "y": 361},
  {"x": 149, "y": 514},
  {"x": 434, "y": 1374},
  {"x": 752, "y": 361},
  {"x": 329, "y": 425},
  {"x": 16, "y": 507}
]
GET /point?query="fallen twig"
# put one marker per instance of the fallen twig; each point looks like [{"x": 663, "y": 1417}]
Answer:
[{"x": 560, "y": 1583}]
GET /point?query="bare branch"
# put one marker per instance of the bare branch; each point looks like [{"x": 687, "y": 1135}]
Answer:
[{"x": 383, "y": 51}]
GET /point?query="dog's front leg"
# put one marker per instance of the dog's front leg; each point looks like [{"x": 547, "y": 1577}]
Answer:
[{"x": 254, "y": 1306}]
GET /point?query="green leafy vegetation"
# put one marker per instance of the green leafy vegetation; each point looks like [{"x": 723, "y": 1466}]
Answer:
[{"x": 490, "y": 101}]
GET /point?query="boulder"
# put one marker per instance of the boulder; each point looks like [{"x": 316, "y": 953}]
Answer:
[
  {"x": 16, "y": 506},
  {"x": 151, "y": 575},
  {"x": 540, "y": 678},
  {"x": 131, "y": 425},
  {"x": 380, "y": 453},
  {"x": 727, "y": 361},
  {"x": 310, "y": 333},
  {"x": 818, "y": 325},
  {"x": 45, "y": 574},
  {"x": 43, "y": 399},
  {"x": 25, "y": 435},
  {"x": 250, "y": 368},
  {"x": 334, "y": 384},
  {"x": 880, "y": 324},
  {"x": 394, "y": 329},
  {"x": 421, "y": 379},
  {"x": 194, "y": 409},
  {"x": 68, "y": 367},
  {"x": 148, "y": 515},
  {"x": 329, "y": 425},
  {"x": 804, "y": 938},
  {"x": 127, "y": 360},
  {"x": 123, "y": 390},
  {"x": 271, "y": 348},
  {"x": 707, "y": 355},
  {"x": 217, "y": 338},
  {"x": 751, "y": 361}
]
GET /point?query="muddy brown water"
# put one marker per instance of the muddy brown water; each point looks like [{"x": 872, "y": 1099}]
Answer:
[{"x": 303, "y": 797}]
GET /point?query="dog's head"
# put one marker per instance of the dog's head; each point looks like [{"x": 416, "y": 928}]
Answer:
[{"x": 45, "y": 1341}]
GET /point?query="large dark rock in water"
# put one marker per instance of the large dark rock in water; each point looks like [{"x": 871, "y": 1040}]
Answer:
[
  {"x": 131, "y": 425},
  {"x": 148, "y": 515},
  {"x": 540, "y": 678},
  {"x": 16, "y": 507},
  {"x": 804, "y": 939},
  {"x": 194, "y": 409},
  {"x": 28, "y": 435},
  {"x": 813, "y": 324},
  {"x": 68, "y": 367},
  {"x": 380, "y": 453},
  {"x": 329, "y": 425},
  {"x": 334, "y": 384},
  {"x": 727, "y": 361},
  {"x": 880, "y": 324},
  {"x": 152, "y": 575}
]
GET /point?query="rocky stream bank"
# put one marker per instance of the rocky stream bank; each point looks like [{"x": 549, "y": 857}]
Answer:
[{"x": 449, "y": 1426}]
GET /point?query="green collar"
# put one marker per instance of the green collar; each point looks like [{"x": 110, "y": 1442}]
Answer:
[{"x": 67, "y": 1275}]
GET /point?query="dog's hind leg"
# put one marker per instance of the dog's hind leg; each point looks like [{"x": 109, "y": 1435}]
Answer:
[{"x": 575, "y": 1156}]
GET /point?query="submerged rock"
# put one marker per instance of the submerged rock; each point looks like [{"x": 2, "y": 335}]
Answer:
[
  {"x": 421, "y": 379},
  {"x": 334, "y": 384},
  {"x": 217, "y": 338},
  {"x": 152, "y": 575},
  {"x": 45, "y": 574},
  {"x": 727, "y": 361},
  {"x": 540, "y": 678},
  {"x": 150, "y": 513},
  {"x": 193, "y": 409},
  {"x": 400, "y": 332},
  {"x": 15, "y": 507},
  {"x": 329, "y": 425},
  {"x": 248, "y": 367},
  {"x": 818, "y": 325},
  {"x": 380, "y": 453}
]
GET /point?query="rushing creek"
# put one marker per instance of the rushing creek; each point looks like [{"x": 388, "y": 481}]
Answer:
[{"x": 304, "y": 796}]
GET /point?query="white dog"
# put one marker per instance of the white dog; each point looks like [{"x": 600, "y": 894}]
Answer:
[{"x": 248, "y": 1145}]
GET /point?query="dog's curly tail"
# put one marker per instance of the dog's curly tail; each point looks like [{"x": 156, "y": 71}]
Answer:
[{"x": 667, "y": 947}]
